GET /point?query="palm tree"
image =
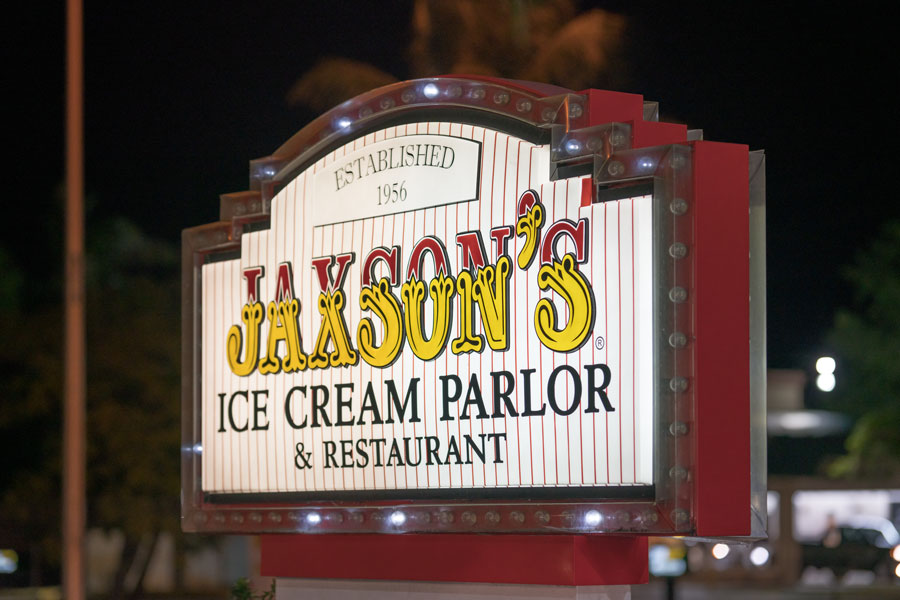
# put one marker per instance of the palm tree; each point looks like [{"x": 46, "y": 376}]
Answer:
[{"x": 538, "y": 40}]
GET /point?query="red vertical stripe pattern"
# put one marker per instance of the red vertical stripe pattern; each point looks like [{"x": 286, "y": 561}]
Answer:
[{"x": 580, "y": 449}]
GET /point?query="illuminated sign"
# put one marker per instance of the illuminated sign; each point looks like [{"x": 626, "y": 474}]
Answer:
[
  {"x": 429, "y": 311},
  {"x": 475, "y": 305}
]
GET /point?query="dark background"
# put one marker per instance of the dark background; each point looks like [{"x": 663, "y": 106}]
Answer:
[{"x": 180, "y": 96}]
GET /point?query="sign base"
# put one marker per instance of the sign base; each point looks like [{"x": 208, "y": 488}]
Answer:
[
  {"x": 557, "y": 560},
  {"x": 331, "y": 589}
]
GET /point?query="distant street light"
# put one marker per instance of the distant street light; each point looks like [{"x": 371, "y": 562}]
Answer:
[
  {"x": 825, "y": 368},
  {"x": 825, "y": 364}
]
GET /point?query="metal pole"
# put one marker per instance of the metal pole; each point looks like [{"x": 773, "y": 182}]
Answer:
[{"x": 74, "y": 455}]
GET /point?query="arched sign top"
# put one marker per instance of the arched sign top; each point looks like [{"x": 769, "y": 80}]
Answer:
[
  {"x": 581, "y": 125},
  {"x": 526, "y": 109},
  {"x": 481, "y": 98}
]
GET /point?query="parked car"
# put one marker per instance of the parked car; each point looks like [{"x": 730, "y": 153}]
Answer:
[{"x": 861, "y": 543}]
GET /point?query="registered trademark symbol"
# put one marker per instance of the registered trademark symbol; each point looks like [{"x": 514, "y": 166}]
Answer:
[{"x": 600, "y": 343}]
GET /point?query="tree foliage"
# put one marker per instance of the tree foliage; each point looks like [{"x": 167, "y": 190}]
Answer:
[
  {"x": 868, "y": 341},
  {"x": 133, "y": 391},
  {"x": 538, "y": 40},
  {"x": 242, "y": 590},
  {"x": 30, "y": 433},
  {"x": 133, "y": 382}
]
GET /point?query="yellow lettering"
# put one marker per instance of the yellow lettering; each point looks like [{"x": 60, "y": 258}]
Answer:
[
  {"x": 529, "y": 225},
  {"x": 379, "y": 299},
  {"x": 251, "y": 315},
  {"x": 565, "y": 279},
  {"x": 334, "y": 328},
  {"x": 283, "y": 327},
  {"x": 491, "y": 291},
  {"x": 442, "y": 289},
  {"x": 468, "y": 340}
]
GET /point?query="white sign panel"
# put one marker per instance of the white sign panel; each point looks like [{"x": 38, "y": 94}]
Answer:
[{"x": 429, "y": 312}]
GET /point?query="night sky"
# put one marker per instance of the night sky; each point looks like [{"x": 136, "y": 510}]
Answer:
[{"x": 180, "y": 96}]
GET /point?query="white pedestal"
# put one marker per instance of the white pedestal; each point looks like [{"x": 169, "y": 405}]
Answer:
[{"x": 346, "y": 589}]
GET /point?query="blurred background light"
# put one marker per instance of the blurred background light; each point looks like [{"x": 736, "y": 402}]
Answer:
[
  {"x": 825, "y": 382},
  {"x": 806, "y": 423},
  {"x": 825, "y": 365},
  {"x": 9, "y": 561},
  {"x": 759, "y": 556}
]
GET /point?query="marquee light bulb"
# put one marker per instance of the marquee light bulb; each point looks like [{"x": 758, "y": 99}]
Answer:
[
  {"x": 398, "y": 518},
  {"x": 720, "y": 551},
  {"x": 646, "y": 164},
  {"x": 313, "y": 518},
  {"x": 344, "y": 122},
  {"x": 430, "y": 90},
  {"x": 592, "y": 518}
]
